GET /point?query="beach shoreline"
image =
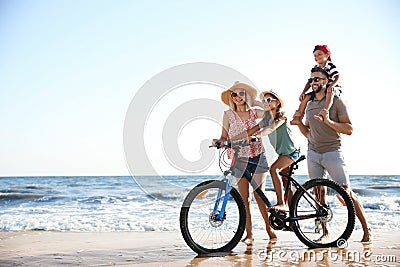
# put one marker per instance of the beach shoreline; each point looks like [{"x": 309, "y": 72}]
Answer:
[{"x": 157, "y": 248}]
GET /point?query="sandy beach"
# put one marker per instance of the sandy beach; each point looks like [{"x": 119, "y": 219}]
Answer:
[{"x": 47, "y": 248}]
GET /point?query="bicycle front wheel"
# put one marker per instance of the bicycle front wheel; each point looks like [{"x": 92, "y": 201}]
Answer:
[
  {"x": 201, "y": 229},
  {"x": 323, "y": 214}
]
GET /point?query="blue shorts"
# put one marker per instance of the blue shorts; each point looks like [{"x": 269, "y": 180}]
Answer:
[
  {"x": 258, "y": 164},
  {"x": 295, "y": 155}
]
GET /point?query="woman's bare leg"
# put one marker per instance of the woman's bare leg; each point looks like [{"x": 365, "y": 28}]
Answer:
[
  {"x": 243, "y": 186},
  {"x": 259, "y": 178}
]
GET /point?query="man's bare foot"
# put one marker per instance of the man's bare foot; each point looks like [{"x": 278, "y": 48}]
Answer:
[
  {"x": 280, "y": 207},
  {"x": 248, "y": 240},
  {"x": 319, "y": 118},
  {"x": 367, "y": 236},
  {"x": 324, "y": 238}
]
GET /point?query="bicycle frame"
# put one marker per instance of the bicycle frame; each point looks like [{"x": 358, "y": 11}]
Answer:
[
  {"x": 215, "y": 222},
  {"x": 246, "y": 175},
  {"x": 257, "y": 189}
]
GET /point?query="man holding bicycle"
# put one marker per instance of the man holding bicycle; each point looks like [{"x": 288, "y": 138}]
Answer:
[{"x": 324, "y": 142}]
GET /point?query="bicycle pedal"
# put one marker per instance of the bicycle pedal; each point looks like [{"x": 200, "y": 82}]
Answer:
[
  {"x": 287, "y": 228},
  {"x": 318, "y": 226}
]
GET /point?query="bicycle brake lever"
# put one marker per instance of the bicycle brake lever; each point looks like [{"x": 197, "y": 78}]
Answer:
[
  {"x": 254, "y": 139},
  {"x": 218, "y": 145}
]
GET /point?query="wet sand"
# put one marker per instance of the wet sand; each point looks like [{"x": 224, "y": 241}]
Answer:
[{"x": 46, "y": 248}]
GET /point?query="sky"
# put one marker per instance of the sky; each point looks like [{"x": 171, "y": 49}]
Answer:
[{"x": 70, "y": 69}]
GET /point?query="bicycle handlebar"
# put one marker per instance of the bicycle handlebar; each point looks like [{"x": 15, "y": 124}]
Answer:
[
  {"x": 302, "y": 157},
  {"x": 230, "y": 144}
]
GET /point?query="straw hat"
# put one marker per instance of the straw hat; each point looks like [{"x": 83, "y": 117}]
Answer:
[
  {"x": 274, "y": 94},
  {"x": 238, "y": 85}
]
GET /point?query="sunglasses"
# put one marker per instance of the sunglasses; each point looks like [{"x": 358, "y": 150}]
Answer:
[
  {"x": 234, "y": 94},
  {"x": 315, "y": 79},
  {"x": 268, "y": 100}
]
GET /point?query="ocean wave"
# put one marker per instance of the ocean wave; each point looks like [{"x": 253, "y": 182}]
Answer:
[
  {"x": 34, "y": 187},
  {"x": 366, "y": 192},
  {"x": 149, "y": 216},
  {"x": 19, "y": 196},
  {"x": 384, "y": 187},
  {"x": 118, "y": 204},
  {"x": 382, "y": 203},
  {"x": 168, "y": 196},
  {"x": 104, "y": 222}
]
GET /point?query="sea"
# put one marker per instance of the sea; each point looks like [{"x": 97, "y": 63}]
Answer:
[{"x": 148, "y": 203}]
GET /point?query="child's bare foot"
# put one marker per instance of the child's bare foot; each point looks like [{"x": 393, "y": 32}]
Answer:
[
  {"x": 367, "y": 236},
  {"x": 296, "y": 118},
  {"x": 248, "y": 240},
  {"x": 272, "y": 235},
  {"x": 280, "y": 207},
  {"x": 295, "y": 121}
]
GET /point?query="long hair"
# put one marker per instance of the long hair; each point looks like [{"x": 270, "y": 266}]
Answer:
[
  {"x": 247, "y": 99},
  {"x": 279, "y": 113}
]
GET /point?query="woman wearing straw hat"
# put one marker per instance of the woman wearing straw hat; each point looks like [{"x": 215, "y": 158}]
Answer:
[
  {"x": 280, "y": 137},
  {"x": 236, "y": 121}
]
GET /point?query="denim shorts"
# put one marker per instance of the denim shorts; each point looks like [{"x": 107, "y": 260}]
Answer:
[
  {"x": 332, "y": 162},
  {"x": 295, "y": 155},
  {"x": 258, "y": 164}
]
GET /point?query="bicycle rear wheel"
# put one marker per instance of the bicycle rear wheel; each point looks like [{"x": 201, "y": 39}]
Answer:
[
  {"x": 323, "y": 202},
  {"x": 202, "y": 232}
]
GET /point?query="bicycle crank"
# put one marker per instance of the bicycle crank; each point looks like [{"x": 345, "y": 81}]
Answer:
[{"x": 277, "y": 219}]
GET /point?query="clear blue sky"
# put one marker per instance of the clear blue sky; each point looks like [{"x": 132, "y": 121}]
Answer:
[{"x": 69, "y": 69}]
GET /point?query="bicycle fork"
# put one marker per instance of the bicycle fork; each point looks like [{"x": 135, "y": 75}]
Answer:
[{"x": 224, "y": 201}]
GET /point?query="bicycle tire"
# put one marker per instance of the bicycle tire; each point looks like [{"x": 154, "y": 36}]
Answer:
[
  {"x": 203, "y": 234},
  {"x": 341, "y": 214}
]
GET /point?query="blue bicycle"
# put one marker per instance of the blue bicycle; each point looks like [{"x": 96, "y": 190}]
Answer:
[{"x": 213, "y": 216}]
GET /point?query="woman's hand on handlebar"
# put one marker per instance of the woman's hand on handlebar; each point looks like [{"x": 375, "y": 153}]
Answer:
[
  {"x": 221, "y": 143},
  {"x": 218, "y": 143},
  {"x": 254, "y": 138}
]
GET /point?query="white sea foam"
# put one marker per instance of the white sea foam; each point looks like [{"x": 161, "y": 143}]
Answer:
[{"x": 117, "y": 204}]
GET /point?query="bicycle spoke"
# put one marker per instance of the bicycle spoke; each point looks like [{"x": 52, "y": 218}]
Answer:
[
  {"x": 200, "y": 226},
  {"x": 322, "y": 218}
]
